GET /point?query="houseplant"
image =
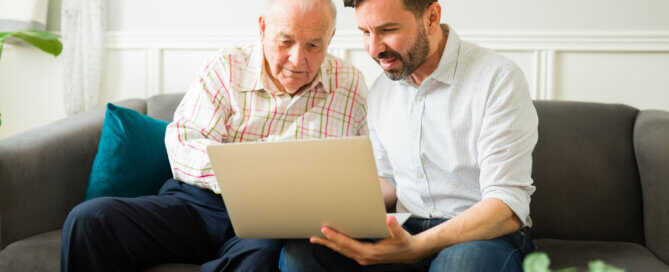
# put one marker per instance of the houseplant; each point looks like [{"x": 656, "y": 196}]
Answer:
[
  {"x": 45, "y": 41},
  {"x": 539, "y": 262}
]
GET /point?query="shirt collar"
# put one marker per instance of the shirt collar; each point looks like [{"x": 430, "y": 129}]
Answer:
[
  {"x": 263, "y": 81},
  {"x": 445, "y": 71}
]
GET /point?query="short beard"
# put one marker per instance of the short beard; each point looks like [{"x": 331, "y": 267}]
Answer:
[{"x": 413, "y": 59}]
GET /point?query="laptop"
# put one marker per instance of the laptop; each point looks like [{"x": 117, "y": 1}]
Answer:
[{"x": 290, "y": 189}]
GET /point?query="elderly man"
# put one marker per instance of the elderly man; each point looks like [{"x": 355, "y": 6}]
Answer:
[
  {"x": 285, "y": 88},
  {"x": 453, "y": 129}
]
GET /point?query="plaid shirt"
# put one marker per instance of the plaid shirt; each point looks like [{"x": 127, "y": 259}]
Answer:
[{"x": 233, "y": 100}]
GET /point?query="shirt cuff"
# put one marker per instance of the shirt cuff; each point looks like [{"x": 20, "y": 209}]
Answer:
[
  {"x": 516, "y": 198},
  {"x": 389, "y": 179}
]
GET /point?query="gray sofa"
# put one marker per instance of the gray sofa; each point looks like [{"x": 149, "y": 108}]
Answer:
[{"x": 601, "y": 172}]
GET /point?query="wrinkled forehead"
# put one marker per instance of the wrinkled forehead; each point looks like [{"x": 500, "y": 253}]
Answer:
[{"x": 308, "y": 6}]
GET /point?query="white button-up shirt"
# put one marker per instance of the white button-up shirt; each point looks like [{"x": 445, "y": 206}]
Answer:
[{"x": 465, "y": 134}]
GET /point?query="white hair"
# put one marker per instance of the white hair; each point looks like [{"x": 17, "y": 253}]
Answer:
[{"x": 309, "y": 5}]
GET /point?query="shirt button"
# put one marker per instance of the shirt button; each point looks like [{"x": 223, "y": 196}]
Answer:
[{"x": 420, "y": 175}]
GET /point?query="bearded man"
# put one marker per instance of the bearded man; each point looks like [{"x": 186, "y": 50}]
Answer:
[{"x": 453, "y": 129}]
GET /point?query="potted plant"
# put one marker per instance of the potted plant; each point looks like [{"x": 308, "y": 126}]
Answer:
[
  {"x": 26, "y": 20},
  {"x": 539, "y": 262},
  {"x": 45, "y": 41}
]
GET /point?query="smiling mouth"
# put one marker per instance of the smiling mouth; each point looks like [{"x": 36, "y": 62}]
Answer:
[{"x": 386, "y": 64}]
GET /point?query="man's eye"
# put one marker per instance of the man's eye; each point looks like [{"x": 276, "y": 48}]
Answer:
[
  {"x": 389, "y": 29},
  {"x": 284, "y": 43},
  {"x": 311, "y": 45}
]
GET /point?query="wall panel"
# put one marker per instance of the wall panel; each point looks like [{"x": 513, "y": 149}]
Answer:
[
  {"x": 126, "y": 75},
  {"x": 557, "y": 65},
  {"x": 30, "y": 93},
  {"x": 181, "y": 67},
  {"x": 640, "y": 79}
]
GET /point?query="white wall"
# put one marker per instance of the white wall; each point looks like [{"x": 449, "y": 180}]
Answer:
[{"x": 613, "y": 51}]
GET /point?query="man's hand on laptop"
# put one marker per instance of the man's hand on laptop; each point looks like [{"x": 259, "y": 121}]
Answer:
[{"x": 400, "y": 247}]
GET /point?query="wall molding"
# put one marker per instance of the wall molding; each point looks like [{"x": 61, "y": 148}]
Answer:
[
  {"x": 500, "y": 40},
  {"x": 641, "y": 41},
  {"x": 544, "y": 45}
]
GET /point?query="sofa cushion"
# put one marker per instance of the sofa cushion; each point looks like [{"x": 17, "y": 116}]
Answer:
[
  {"x": 37, "y": 253},
  {"x": 42, "y": 253},
  {"x": 586, "y": 174},
  {"x": 629, "y": 256},
  {"x": 131, "y": 159}
]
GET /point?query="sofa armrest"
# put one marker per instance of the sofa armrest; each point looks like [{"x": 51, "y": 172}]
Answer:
[
  {"x": 651, "y": 145},
  {"x": 44, "y": 172}
]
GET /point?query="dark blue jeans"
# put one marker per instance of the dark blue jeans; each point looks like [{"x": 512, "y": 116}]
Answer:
[
  {"x": 505, "y": 253},
  {"x": 182, "y": 224}
]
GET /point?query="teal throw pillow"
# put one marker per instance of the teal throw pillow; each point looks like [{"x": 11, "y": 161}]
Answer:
[{"x": 131, "y": 159}]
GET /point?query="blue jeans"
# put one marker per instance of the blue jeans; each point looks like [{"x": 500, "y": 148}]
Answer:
[{"x": 505, "y": 253}]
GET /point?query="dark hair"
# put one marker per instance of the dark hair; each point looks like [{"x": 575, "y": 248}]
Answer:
[{"x": 417, "y": 7}]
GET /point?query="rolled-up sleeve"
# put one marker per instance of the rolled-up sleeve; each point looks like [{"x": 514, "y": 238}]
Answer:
[{"x": 508, "y": 137}]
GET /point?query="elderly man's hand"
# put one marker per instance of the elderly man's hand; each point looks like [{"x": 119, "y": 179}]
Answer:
[{"x": 400, "y": 247}]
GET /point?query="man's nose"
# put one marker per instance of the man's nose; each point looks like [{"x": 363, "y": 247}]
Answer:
[
  {"x": 298, "y": 56},
  {"x": 376, "y": 45}
]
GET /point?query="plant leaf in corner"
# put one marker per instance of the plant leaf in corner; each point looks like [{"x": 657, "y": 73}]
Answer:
[
  {"x": 45, "y": 41},
  {"x": 536, "y": 262}
]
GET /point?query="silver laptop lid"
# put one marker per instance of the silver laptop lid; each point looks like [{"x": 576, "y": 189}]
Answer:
[{"x": 291, "y": 189}]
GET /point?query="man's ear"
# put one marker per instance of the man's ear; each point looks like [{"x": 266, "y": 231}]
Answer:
[
  {"x": 432, "y": 18},
  {"x": 261, "y": 24},
  {"x": 332, "y": 36}
]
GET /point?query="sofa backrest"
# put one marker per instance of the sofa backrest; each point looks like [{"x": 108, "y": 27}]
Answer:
[
  {"x": 585, "y": 172},
  {"x": 584, "y": 169},
  {"x": 163, "y": 106},
  {"x": 651, "y": 143}
]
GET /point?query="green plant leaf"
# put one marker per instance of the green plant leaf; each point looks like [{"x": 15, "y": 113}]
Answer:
[
  {"x": 599, "y": 266},
  {"x": 536, "y": 262},
  {"x": 45, "y": 41}
]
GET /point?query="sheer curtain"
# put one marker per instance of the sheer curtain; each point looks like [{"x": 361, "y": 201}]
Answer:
[{"x": 83, "y": 28}]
